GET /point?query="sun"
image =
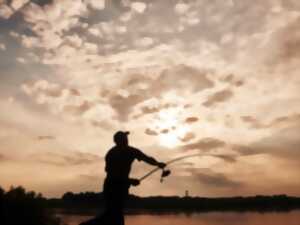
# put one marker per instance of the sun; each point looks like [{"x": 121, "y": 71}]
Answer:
[
  {"x": 170, "y": 127},
  {"x": 169, "y": 140}
]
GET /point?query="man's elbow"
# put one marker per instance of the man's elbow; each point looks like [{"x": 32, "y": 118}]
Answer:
[{"x": 152, "y": 161}]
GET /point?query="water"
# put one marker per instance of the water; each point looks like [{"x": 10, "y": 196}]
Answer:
[{"x": 249, "y": 218}]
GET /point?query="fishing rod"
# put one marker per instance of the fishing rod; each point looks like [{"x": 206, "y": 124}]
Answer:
[{"x": 165, "y": 172}]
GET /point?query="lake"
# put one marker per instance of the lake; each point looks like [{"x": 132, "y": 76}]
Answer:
[{"x": 213, "y": 218}]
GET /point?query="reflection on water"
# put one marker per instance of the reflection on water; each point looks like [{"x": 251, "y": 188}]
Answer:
[{"x": 290, "y": 218}]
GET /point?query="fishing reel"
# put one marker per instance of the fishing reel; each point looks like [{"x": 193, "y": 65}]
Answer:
[{"x": 164, "y": 174}]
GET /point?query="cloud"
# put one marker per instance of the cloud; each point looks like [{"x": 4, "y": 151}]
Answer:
[
  {"x": 57, "y": 15},
  {"x": 188, "y": 137},
  {"x": 74, "y": 92},
  {"x": 77, "y": 110},
  {"x": 49, "y": 21},
  {"x": 21, "y": 60},
  {"x": 143, "y": 90},
  {"x": 205, "y": 144},
  {"x": 66, "y": 158},
  {"x": 42, "y": 87},
  {"x": 139, "y": 7},
  {"x": 287, "y": 41},
  {"x": 217, "y": 180},
  {"x": 245, "y": 150},
  {"x": 94, "y": 31},
  {"x": 276, "y": 123},
  {"x": 183, "y": 78},
  {"x": 96, "y": 4},
  {"x": 17, "y": 4},
  {"x": 74, "y": 40},
  {"x": 283, "y": 121},
  {"x": 164, "y": 131},
  {"x": 90, "y": 48},
  {"x": 214, "y": 179},
  {"x": 152, "y": 106},
  {"x": 144, "y": 42},
  {"x": 124, "y": 104},
  {"x": 228, "y": 158},
  {"x": 191, "y": 119},
  {"x": 231, "y": 79},
  {"x": 47, "y": 137},
  {"x": 29, "y": 41},
  {"x": 89, "y": 177},
  {"x": 218, "y": 97},
  {"x": 67, "y": 100},
  {"x": 181, "y": 8},
  {"x": 254, "y": 123},
  {"x": 5, "y": 11},
  {"x": 151, "y": 132},
  {"x": 2, "y": 47},
  {"x": 104, "y": 124},
  {"x": 2, "y": 157},
  {"x": 148, "y": 107},
  {"x": 282, "y": 143}
]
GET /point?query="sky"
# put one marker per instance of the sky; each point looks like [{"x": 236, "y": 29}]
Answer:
[{"x": 214, "y": 78}]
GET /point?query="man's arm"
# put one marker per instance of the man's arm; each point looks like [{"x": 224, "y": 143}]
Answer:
[{"x": 148, "y": 159}]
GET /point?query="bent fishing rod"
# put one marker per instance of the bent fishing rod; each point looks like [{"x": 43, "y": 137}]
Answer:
[{"x": 166, "y": 172}]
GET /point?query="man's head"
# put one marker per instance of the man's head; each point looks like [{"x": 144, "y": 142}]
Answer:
[{"x": 120, "y": 138}]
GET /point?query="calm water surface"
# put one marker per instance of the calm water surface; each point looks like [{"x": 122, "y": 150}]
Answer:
[{"x": 289, "y": 218}]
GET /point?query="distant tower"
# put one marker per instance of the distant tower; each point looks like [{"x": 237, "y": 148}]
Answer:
[{"x": 187, "y": 194}]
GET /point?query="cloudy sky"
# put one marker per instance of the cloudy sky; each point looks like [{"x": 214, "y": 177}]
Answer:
[{"x": 218, "y": 78}]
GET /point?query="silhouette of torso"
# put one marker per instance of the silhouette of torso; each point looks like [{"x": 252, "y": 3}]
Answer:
[
  {"x": 116, "y": 185},
  {"x": 119, "y": 160}
]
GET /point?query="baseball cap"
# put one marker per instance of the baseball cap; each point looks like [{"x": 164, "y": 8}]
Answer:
[{"x": 119, "y": 135}]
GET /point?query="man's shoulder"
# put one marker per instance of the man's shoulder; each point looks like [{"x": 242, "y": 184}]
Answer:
[
  {"x": 137, "y": 153},
  {"x": 125, "y": 150},
  {"x": 116, "y": 149},
  {"x": 133, "y": 149}
]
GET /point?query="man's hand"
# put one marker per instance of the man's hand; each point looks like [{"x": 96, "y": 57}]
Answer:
[
  {"x": 161, "y": 165},
  {"x": 134, "y": 182}
]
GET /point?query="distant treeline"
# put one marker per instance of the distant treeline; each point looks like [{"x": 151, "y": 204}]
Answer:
[
  {"x": 18, "y": 207},
  {"x": 160, "y": 204}
]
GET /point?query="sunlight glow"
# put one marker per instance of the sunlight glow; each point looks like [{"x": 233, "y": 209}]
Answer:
[
  {"x": 169, "y": 126},
  {"x": 169, "y": 140}
]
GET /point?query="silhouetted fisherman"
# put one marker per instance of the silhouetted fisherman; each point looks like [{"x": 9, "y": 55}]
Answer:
[{"x": 117, "y": 182}]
